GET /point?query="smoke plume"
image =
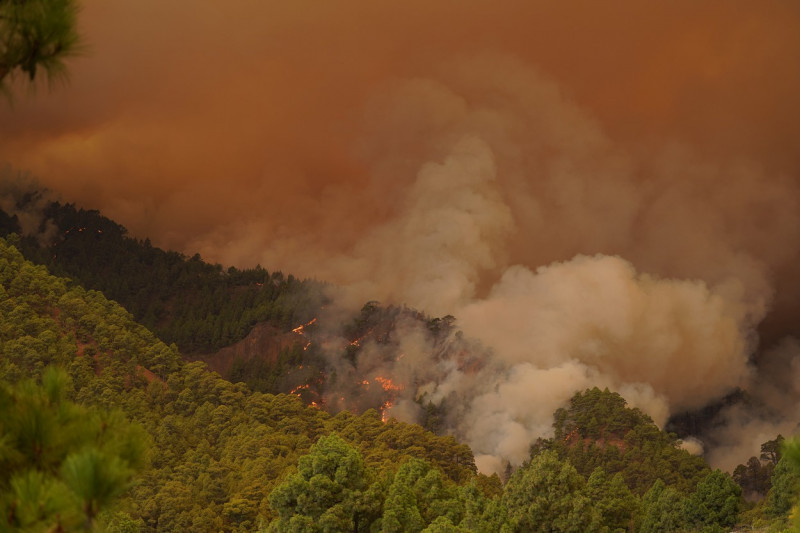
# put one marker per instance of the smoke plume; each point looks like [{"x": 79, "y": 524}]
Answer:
[{"x": 601, "y": 195}]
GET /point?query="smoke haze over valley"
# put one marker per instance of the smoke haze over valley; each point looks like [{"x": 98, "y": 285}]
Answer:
[{"x": 601, "y": 195}]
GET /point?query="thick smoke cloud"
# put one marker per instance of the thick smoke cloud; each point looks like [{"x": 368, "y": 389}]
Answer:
[
  {"x": 683, "y": 340},
  {"x": 602, "y": 195},
  {"x": 774, "y": 400},
  {"x": 672, "y": 331}
]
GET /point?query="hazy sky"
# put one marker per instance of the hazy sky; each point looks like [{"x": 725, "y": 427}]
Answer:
[
  {"x": 260, "y": 131},
  {"x": 184, "y": 115},
  {"x": 465, "y": 157}
]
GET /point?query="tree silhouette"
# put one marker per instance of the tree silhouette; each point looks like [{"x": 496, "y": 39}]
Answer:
[{"x": 36, "y": 36}]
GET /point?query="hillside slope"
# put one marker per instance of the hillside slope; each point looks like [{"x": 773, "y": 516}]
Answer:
[
  {"x": 198, "y": 306},
  {"x": 218, "y": 449}
]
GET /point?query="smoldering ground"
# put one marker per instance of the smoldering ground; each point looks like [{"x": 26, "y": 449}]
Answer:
[{"x": 601, "y": 195}]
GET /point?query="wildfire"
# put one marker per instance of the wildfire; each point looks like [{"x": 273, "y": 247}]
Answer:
[
  {"x": 299, "y": 329},
  {"x": 390, "y": 387},
  {"x": 385, "y": 406},
  {"x": 296, "y": 390},
  {"x": 356, "y": 343},
  {"x": 388, "y": 384}
]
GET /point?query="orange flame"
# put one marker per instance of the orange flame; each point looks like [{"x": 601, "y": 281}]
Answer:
[
  {"x": 299, "y": 329},
  {"x": 296, "y": 390},
  {"x": 384, "y": 415},
  {"x": 390, "y": 387},
  {"x": 357, "y": 342},
  {"x": 388, "y": 384}
]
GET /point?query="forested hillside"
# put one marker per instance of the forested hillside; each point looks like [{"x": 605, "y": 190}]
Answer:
[
  {"x": 218, "y": 449},
  {"x": 198, "y": 306},
  {"x": 225, "y": 458}
]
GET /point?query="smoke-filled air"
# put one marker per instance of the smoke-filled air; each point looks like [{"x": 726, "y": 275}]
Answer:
[{"x": 600, "y": 194}]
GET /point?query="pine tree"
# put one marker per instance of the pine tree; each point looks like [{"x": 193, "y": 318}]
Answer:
[
  {"x": 547, "y": 496},
  {"x": 61, "y": 464},
  {"x": 37, "y": 35},
  {"x": 714, "y": 505},
  {"x": 324, "y": 494}
]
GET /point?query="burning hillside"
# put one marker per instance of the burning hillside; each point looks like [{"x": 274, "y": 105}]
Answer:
[{"x": 613, "y": 203}]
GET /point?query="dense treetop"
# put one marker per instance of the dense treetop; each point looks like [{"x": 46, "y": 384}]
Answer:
[{"x": 598, "y": 429}]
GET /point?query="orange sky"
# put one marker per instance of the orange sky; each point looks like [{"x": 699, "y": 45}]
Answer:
[{"x": 223, "y": 128}]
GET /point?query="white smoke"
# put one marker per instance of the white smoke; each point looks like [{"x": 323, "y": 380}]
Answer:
[
  {"x": 665, "y": 345},
  {"x": 645, "y": 285},
  {"x": 432, "y": 253}
]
